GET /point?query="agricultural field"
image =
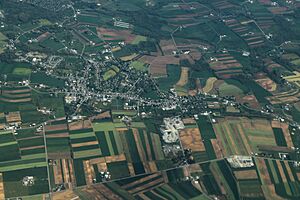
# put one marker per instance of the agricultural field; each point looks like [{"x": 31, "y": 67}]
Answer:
[
  {"x": 243, "y": 136},
  {"x": 12, "y": 182},
  {"x": 157, "y": 185},
  {"x": 209, "y": 138},
  {"x": 85, "y": 147},
  {"x": 278, "y": 176},
  {"x": 268, "y": 178},
  {"x": 173, "y": 75},
  {"x": 209, "y": 84},
  {"x": 225, "y": 66},
  {"x": 154, "y": 99},
  {"x": 288, "y": 96},
  {"x": 159, "y": 65},
  {"x": 97, "y": 147},
  {"x": 23, "y": 155},
  {"x": 180, "y": 86},
  {"x": 15, "y": 94},
  {"x": 267, "y": 84},
  {"x": 292, "y": 58},
  {"x": 57, "y": 139},
  {"x": 295, "y": 78}
]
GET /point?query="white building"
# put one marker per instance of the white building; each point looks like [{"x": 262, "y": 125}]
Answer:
[
  {"x": 170, "y": 133},
  {"x": 237, "y": 161}
]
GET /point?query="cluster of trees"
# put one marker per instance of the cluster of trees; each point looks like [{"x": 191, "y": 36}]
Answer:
[{"x": 18, "y": 13}]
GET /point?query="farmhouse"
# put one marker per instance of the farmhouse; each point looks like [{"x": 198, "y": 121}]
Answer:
[
  {"x": 240, "y": 161},
  {"x": 28, "y": 181}
]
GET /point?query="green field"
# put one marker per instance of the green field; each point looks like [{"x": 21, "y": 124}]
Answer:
[
  {"x": 42, "y": 78},
  {"x": 173, "y": 76},
  {"x": 109, "y": 74},
  {"x": 279, "y": 137},
  {"x": 138, "y": 66},
  {"x": 13, "y": 182},
  {"x": 103, "y": 126},
  {"x": 139, "y": 39},
  {"x": 250, "y": 188},
  {"x": 124, "y": 112},
  {"x": 3, "y": 42},
  {"x": 79, "y": 172},
  {"x": 207, "y": 133},
  {"x": 22, "y": 71},
  {"x": 259, "y": 92},
  {"x": 226, "y": 89},
  {"x": 86, "y": 153},
  {"x": 105, "y": 146},
  {"x": 9, "y": 149},
  {"x": 118, "y": 169},
  {"x": 58, "y": 145}
]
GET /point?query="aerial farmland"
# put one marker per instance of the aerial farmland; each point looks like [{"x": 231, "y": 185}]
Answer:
[{"x": 149, "y": 99}]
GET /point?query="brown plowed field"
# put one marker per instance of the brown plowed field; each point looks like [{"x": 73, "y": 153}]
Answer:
[{"x": 191, "y": 139}]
